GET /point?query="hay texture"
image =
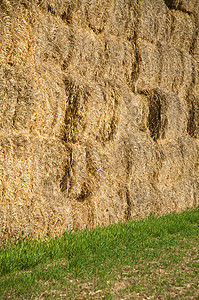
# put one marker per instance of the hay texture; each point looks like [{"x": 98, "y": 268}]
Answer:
[{"x": 99, "y": 112}]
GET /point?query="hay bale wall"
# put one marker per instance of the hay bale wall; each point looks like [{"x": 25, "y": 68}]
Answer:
[{"x": 99, "y": 112}]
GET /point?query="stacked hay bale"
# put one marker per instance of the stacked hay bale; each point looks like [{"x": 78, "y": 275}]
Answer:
[{"x": 99, "y": 112}]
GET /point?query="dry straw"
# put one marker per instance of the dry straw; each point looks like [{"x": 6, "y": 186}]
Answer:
[{"x": 99, "y": 112}]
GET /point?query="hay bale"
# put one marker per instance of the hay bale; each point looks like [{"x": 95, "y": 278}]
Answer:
[
  {"x": 154, "y": 21},
  {"x": 99, "y": 112},
  {"x": 183, "y": 5},
  {"x": 184, "y": 30}
]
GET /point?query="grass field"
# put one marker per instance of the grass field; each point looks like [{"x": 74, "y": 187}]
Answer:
[{"x": 154, "y": 258}]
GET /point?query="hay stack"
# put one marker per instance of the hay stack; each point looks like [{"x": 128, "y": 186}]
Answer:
[{"x": 99, "y": 112}]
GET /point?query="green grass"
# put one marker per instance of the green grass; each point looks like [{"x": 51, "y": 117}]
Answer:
[{"x": 155, "y": 257}]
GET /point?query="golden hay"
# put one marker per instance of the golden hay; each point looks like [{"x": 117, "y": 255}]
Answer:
[{"x": 99, "y": 112}]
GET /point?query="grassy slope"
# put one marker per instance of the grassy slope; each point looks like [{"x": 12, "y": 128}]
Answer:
[{"x": 155, "y": 257}]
